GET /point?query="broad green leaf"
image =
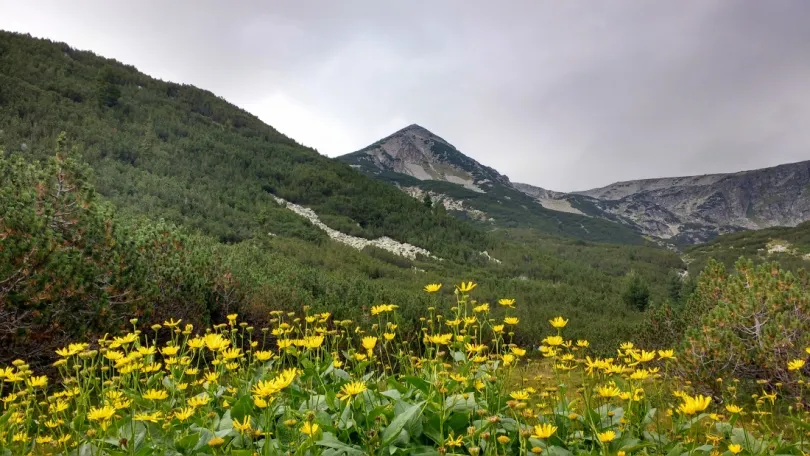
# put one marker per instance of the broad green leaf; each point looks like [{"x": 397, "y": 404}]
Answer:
[
  {"x": 418, "y": 383},
  {"x": 414, "y": 426},
  {"x": 460, "y": 403},
  {"x": 557, "y": 451},
  {"x": 242, "y": 408},
  {"x": 204, "y": 437},
  {"x": 225, "y": 422},
  {"x": 317, "y": 402},
  {"x": 187, "y": 443},
  {"x": 392, "y": 394},
  {"x": 398, "y": 423},
  {"x": 328, "y": 440},
  {"x": 648, "y": 418},
  {"x": 346, "y": 421}
]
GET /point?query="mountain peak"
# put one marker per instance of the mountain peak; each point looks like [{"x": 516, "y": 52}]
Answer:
[
  {"x": 417, "y": 152},
  {"x": 414, "y": 127},
  {"x": 418, "y": 131}
]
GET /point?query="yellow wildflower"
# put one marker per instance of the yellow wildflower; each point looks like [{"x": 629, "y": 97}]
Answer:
[
  {"x": 433, "y": 287},
  {"x": 543, "y": 431}
]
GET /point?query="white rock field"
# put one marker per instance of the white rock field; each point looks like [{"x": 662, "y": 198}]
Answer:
[{"x": 386, "y": 243}]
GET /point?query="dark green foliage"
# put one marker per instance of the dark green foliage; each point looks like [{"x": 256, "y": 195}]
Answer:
[
  {"x": 108, "y": 91},
  {"x": 676, "y": 287},
  {"x": 636, "y": 294},
  {"x": 754, "y": 245},
  {"x": 747, "y": 324},
  {"x": 68, "y": 268}
]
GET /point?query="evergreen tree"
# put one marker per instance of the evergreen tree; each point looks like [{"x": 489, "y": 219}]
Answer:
[
  {"x": 636, "y": 294},
  {"x": 108, "y": 90},
  {"x": 675, "y": 287}
]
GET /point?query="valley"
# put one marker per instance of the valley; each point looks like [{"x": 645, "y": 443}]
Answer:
[{"x": 178, "y": 277}]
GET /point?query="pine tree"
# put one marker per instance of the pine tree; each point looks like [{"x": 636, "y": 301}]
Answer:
[
  {"x": 108, "y": 90},
  {"x": 636, "y": 294}
]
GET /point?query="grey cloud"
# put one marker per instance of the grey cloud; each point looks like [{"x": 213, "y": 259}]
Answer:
[{"x": 564, "y": 95}]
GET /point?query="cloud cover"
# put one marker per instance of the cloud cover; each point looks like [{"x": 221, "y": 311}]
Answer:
[{"x": 566, "y": 95}]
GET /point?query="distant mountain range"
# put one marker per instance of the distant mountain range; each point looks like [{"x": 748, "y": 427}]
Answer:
[{"x": 678, "y": 210}]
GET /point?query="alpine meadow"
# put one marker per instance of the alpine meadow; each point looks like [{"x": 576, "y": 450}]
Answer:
[{"x": 179, "y": 278}]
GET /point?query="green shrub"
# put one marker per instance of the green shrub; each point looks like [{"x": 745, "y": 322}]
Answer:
[{"x": 749, "y": 324}]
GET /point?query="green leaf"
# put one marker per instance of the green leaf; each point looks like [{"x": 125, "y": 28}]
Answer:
[
  {"x": 225, "y": 422},
  {"x": 652, "y": 436},
  {"x": 742, "y": 437},
  {"x": 204, "y": 437},
  {"x": 458, "y": 403},
  {"x": 675, "y": 450},
  {"x": 418, "y": 383},
  {"x": 187, "y": 443},
  {"x": 557, "y": 451},
  {"x": 704, "y": 448},
  {"x": 346, "y": 421},
  {"x": 328, "y": 440},
  {"x": 242, "y": 408},
  {"x": 392, "y": 394},
  {"x": 414, "y": 425},
  {"x": 398, "y": 423},
  {"x": 316, "y": 402},
  {"x": 342, "y": 374},
  {"x": 648, "y": 418},
  {"x": 247, "y": 452},
  {"x": 423, "y": 451}
]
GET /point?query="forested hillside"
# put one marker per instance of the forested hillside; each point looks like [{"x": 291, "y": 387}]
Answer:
[
  {"x": 790, "y": 246},
  {"x": 174, "y": 151},
  {"x": 184, "y": 212}
]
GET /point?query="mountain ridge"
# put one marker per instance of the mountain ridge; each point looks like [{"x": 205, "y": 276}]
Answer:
[
  {"x": 424, "y": 165},
  {"x": 677, "y": 210}
]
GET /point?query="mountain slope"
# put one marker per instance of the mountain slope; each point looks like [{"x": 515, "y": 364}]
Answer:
[
  {"x": 421, "y": 163},
  {"x": 177, "y": 152},
  {"x": 790, "y": 246}
]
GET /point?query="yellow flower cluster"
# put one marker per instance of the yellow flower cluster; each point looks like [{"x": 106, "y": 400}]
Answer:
[{"x": 327, "y": 384}]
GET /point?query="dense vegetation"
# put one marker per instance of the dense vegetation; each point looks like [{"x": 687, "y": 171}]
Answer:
[
  {"x": 309, "y": 384},
  {"x": 787, "y": 245},
  {"x": 73, "y": 265}
]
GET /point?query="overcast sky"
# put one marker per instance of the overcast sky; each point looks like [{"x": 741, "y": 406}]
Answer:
[{"x": 563, "y": 94}]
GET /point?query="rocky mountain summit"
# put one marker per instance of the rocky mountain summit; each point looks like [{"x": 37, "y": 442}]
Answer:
[
  {"x": 414, "y": 151},
  {"x": 678, "y": 210}
]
